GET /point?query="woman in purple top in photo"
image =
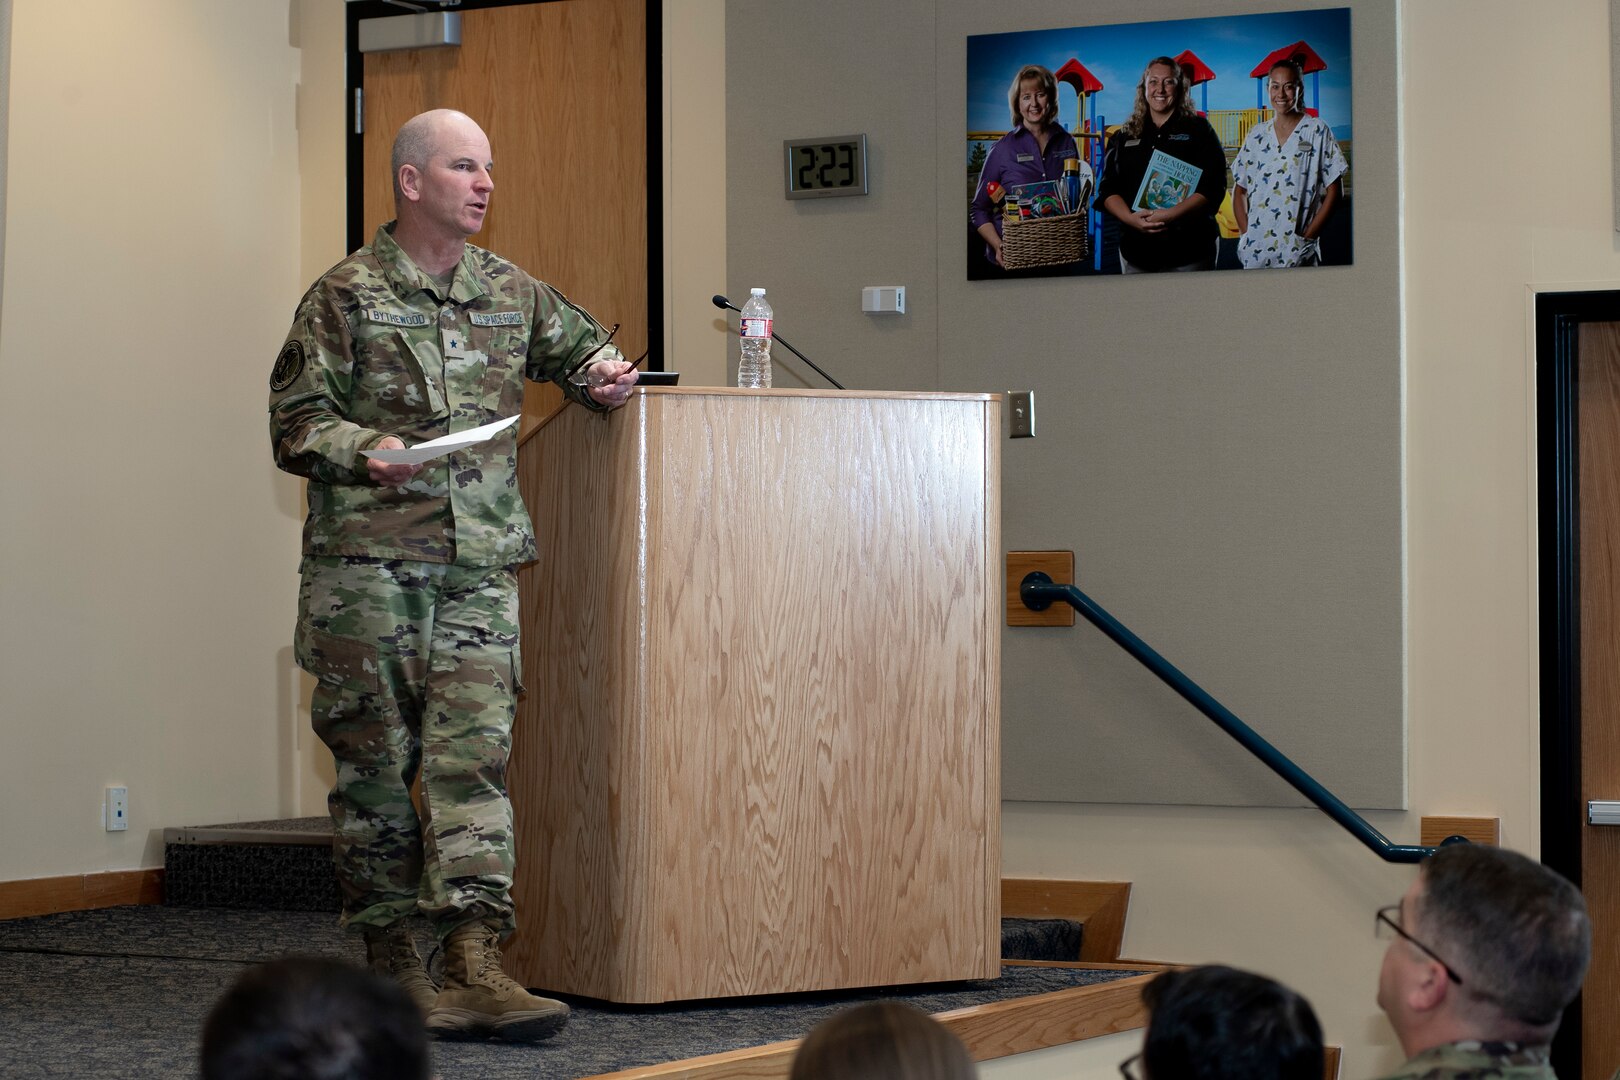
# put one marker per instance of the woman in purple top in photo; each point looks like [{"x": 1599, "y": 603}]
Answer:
[{"x": 1033, "y": 150}]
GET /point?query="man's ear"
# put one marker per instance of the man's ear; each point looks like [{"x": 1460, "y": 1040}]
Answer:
[
  {"x": 410, "y": 182},
  {"x": 1429, "y": 988}
]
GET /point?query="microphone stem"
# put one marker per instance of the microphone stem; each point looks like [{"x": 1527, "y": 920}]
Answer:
[
  {"x": 807, "y": 360},
  {"x": 724, "y": 304}
]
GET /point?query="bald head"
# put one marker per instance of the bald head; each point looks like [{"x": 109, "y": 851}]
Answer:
[{"x": 421, "y": 137}]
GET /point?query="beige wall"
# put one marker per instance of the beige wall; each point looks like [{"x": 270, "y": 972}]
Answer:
[
  {"x": 184, "y": 169},
  {"x": 151, "y": 549},
  {"x": 1281, "y": 891},
  {"x": 695, "y": 337},
  {"x": 1232, "y": 495},
  {"x": 152, "y": 260},
  {"x": 5, "y": 111},
  {"x": 317, "y": 32},
  {"x": 188, "y": 160}
]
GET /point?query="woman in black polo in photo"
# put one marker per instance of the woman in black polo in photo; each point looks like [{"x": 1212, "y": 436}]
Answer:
[{"x": 1184, "y": 236}]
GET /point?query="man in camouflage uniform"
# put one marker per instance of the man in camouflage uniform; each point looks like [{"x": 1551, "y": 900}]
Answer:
[
  {"x": 408, "y": 602},
  {"x": 1487, "y": 948}
]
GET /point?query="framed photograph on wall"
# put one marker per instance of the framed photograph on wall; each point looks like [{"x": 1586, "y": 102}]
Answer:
[{"x": 1184, "y": 145}]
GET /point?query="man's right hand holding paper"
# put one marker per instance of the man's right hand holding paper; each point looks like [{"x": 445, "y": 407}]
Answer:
[{"x": 390, "y": 475}]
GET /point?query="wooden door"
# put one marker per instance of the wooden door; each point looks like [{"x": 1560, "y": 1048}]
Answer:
[
  {"x": 561, "y": 89},
  {"x": 1598, "y": 424}
]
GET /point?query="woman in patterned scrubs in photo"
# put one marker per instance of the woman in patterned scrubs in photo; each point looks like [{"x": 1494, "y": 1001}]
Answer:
[{"x": 1287, "y": 180}]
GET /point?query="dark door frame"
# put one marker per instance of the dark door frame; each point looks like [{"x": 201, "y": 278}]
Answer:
[
  {"x": 355, "y": 195},
  {"x": 1559, "y": 316}
]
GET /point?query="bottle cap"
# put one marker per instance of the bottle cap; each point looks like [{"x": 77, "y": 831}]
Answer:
[
  {"x": 756, "y": 292},
  {"x": 1071, "y": 164}
]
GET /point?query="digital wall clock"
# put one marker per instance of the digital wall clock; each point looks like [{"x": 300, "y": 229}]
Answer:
[{"x": 822, "y": 168}]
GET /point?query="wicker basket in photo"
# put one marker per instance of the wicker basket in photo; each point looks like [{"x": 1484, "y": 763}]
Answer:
[{"x": 1051, "y": 241}]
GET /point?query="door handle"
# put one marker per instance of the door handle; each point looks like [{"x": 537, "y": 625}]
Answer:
[{"x": 1603, "y": 812}]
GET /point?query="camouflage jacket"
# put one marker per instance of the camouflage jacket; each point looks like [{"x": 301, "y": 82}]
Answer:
[
  {"x": 1473, "y": 1060},
  {"x": 375, "y": 351}
]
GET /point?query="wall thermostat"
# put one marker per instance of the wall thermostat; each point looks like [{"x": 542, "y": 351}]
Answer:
[{"x": 884, "y": 299}]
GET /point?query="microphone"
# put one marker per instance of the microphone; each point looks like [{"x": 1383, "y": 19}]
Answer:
[{"x": 722, "y": 303}]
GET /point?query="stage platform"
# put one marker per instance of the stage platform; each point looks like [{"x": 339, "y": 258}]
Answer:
[{"x": 122, "y": 992}]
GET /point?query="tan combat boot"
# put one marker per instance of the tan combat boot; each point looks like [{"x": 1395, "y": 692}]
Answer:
[
  {"x": 391, "y": 952},
  {"x": 479, "y": 999}
]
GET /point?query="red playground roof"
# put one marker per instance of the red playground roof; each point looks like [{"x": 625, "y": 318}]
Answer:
[
  {"x": 1075, "y": 74},
  {"x": 1307, "y": 59},
  {"x": 1200, "y": 71}
]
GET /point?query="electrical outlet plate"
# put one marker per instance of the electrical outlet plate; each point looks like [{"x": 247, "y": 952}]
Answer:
[
  {"x": 117, "y": 809},
  {"x": 1021, "y": 413}
]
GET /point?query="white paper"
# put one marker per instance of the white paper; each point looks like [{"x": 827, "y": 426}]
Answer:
[{"x": 443, "y": 445}]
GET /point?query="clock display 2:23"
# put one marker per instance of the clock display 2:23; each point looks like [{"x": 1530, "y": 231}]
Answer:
[{"x": 830, "y": 157}]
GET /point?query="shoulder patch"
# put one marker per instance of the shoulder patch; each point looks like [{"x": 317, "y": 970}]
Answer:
[
  {"x": 496, "y": 318},
  {"x": 289, "y": 365}
]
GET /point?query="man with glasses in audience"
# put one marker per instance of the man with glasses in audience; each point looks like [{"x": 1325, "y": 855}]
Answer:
[{"x": 1485, "y": 950}]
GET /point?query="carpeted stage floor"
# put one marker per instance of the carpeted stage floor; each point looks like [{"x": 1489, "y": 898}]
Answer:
[{"x": 122, "y": 992}]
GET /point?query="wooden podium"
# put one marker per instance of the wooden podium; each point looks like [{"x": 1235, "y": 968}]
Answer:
[{"x": 759, "y": 750}]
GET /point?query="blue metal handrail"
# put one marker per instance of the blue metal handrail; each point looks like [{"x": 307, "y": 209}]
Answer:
[{"x": 1038, "y": 592}]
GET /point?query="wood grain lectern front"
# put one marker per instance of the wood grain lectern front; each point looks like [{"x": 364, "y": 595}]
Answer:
[{"x": 759, "y": 750}]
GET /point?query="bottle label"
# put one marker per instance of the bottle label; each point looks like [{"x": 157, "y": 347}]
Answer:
[{"x": 756, "y": 328}]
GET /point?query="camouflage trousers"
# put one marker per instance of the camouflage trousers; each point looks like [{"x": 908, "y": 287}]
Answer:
[{"x": 417, "y": 671}]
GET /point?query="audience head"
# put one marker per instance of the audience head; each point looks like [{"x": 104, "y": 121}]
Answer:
[
  {"x": 1486, "y": 944},
  {"x": 1218, "y": 1023},
  {"x": 314, "y": 1019},
  {"x": 885, "y": 1040}
]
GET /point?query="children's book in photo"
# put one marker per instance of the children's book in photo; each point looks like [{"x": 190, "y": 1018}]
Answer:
[{"x": 1167, "y": 181}]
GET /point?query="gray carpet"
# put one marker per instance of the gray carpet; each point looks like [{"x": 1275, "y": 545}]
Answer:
[{"x": 122, "y": 992}]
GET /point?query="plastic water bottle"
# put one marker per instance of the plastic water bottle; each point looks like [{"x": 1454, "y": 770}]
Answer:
[{"x": 754, "y": 369}]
